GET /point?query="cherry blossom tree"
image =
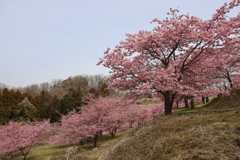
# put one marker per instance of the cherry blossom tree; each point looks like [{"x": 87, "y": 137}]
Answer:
[
  {"x": 135, "y": 114},
  {"x": 156, "y": 110},
  {"x": 178, "y": 51},
  {"x": 229, "y": 67},
  {"x": 99, "y": 115},
  {"x": 72, "y": 128},
  {"x": 22, "y": 137},
  {"x": 107, "y": 115},
  {"x": 131, "y": 115}
]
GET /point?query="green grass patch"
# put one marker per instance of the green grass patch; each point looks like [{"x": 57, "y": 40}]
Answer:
[
  {"x": 44, "y": 152},
  {"x": 71, "y": 151}
]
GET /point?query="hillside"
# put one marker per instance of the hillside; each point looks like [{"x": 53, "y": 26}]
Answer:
[{"x": 207, "y": 132}]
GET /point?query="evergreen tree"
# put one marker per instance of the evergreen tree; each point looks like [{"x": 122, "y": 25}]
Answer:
[
  {"x": 71, "y": 101},
  {"x": 24, "y": 111},
  {"x": 54, "y": 111},
  {"x": 42, "y": 103},
  {"x": 103, "y": 90}
]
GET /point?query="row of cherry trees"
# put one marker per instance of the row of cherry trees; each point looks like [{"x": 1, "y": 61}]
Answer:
[
  {"x": 182, "y": 55},
  {"x": 103, "y": 115}
]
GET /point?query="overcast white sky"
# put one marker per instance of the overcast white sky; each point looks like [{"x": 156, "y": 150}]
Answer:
[{"x": 42, "y": 40}]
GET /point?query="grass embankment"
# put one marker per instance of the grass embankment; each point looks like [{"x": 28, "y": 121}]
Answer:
[{"x": 207, "y": 132}]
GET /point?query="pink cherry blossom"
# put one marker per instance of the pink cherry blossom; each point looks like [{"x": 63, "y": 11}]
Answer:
[
  {"x": 21, "y": 136},
  {"x": 179, "y": 56}
]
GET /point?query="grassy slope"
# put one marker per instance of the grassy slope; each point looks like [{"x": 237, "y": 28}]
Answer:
[
  {"x": 203, "y": 133},
  {"x": 44, "y": 152},
  {"x": 65, "y": 151}
]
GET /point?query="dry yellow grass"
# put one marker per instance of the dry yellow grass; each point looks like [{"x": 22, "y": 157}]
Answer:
[{"x": 207, "y": 132}]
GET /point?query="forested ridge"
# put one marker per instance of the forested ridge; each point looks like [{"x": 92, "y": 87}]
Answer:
[{"x": 49, "y": 100}]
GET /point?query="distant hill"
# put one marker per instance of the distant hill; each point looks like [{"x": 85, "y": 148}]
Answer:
[{"x": 207, "y": 132}]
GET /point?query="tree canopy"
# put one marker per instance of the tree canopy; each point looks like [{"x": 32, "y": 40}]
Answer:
[{"x": 178, "y": 56}]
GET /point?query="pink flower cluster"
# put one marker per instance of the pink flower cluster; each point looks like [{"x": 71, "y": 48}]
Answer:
[
  {"x": 21, "y": 136},
  {"x": 106, "y": 115}
]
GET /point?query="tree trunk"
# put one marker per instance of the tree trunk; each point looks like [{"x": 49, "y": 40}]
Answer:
[
  {"x": 229, "y": 80},
  {"x": 113, "y": 133},
  {"x": 100, "y": 133},
  {"x": 25, "y": 154},
  {"x": 192, "y": 103},
  {"x": 95, "y": 140},
  {"x": 186, "y": 102},
  {"x": 207, "y": 99},
  {"x": 177, "y": 104},
  {"x": 168, "y": 102},
  {"x": 131, "y": 124}
]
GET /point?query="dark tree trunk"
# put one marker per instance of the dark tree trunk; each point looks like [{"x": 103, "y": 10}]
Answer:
[
  {"x": 229, "y": 80},
  {"x": 114, "y": 131},
  {"x": 168, "y": 102},
  {"x": 207, "y": 99},
  {"x": 113, "y": 134},
  {"x": 186, "y": 102},
  {"x": 177, "y": 103},
  {"x": 95, "y": 141},
  {"x": 25, "y": 154},
  {"x": 130, "y": 124},
  {"x": 192, "y": 103},
  {"x": 100, "y": 133}
]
